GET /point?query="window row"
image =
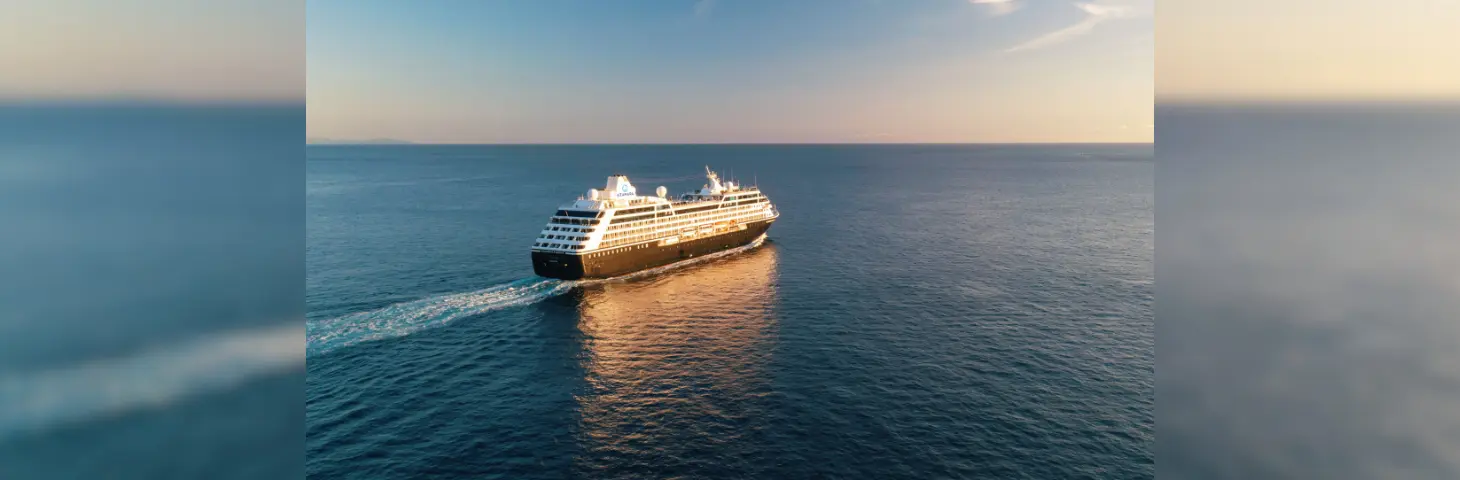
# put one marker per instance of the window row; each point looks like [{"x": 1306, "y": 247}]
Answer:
[
  {"x": 578, "y": 213},
  {"x": 600, "y": 254},
  {"x": 639, "y": 236},
  {"x": 573, "y": 221},
  {"x": 631, "y": 211},
  {"x": 673, "y": 227},
  {"x": 563, "y": 246},
  {"x": 722, "y": 213}
]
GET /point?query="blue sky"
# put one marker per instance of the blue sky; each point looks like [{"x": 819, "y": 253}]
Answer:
[{"x": 730, "y": 71}]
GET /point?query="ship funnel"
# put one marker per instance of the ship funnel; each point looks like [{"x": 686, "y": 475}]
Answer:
[
  {"x": 619, "y": 186},
  {"x": 714, "y": 186},
  {"x": 661, "y": 191}
]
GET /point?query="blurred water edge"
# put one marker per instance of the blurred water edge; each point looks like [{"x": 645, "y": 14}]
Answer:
[
  {"x": 1308, "y": 291},
  {"x": 151, "y": 290}
]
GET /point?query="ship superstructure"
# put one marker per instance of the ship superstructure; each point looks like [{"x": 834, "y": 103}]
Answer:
[{"x": 615, "y": 231}]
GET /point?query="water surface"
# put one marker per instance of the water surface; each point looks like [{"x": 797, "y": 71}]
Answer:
[
  {"x": 1308, "y": 291},
  {"x": 151, "y": 291},
  {"x": 918, "y": 311}
]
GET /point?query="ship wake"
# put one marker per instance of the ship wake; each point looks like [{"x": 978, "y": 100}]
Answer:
[
  {"x": 409, "y": 317},
  {"x": 153, "y": 377},
  {"x": 401, "y": 319}
]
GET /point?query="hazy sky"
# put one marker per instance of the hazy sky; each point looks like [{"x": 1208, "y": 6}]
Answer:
[
  {"x": 732, "y": 71},
  {"x": 190, "y": 50},
  {"x": 1309, "y": 49}
]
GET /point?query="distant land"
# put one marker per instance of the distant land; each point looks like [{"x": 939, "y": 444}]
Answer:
[{"x": 373, "y": 141}]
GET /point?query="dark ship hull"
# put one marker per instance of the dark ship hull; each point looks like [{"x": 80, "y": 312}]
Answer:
[{"x": 632, "y": 258}]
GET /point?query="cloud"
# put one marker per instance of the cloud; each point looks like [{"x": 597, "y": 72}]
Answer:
[
  {"x": 703, "y": 8},
  {"x": 1095, "y": 14},
  {"x": 997, "y": 7}
]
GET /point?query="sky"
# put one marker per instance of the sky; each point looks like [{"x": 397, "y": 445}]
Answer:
[
  {"x": 1308, "y": 50},
  {"x": 731, "y": 71},
  {"x": 157, "y": 50}
]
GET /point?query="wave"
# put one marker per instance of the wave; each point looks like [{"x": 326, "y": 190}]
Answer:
[
  {"x": 406, "y": 318},
  {"x": 33, "y": 401}
]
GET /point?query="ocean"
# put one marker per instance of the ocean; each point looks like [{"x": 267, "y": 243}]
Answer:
[
  {"x": 918, "y": 311},
  {"x": 1307, "y": 291},
  {"x": 151, "y": 291}
]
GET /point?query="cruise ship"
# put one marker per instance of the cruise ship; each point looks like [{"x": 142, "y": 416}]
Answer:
[{"x": 616, "y": 231}]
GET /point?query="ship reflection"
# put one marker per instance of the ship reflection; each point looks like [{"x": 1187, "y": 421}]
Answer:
[{"x": 676, "y": 363}]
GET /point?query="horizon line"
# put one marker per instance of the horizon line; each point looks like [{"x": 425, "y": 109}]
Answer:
[
  {"x": 121, "y": 104},
  {"x": 1265, "y": 101},
  {"x": 367, "y": 143}
]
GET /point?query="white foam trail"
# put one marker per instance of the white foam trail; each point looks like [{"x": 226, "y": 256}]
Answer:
[
  {"x": 36, "y": 401},
  {"x": 32, "y": 401},
  {"x": 405, "y": 318}
]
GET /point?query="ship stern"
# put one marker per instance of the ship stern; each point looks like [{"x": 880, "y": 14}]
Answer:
[{"x": 557, "y": 265}]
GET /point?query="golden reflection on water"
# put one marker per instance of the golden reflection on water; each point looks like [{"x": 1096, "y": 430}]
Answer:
[{"x": 678, "y": 359}]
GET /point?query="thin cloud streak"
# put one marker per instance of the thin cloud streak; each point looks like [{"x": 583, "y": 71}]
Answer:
[
  {"x": 997, "y": 8},
  {"x": 1094, "y": 15}
]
